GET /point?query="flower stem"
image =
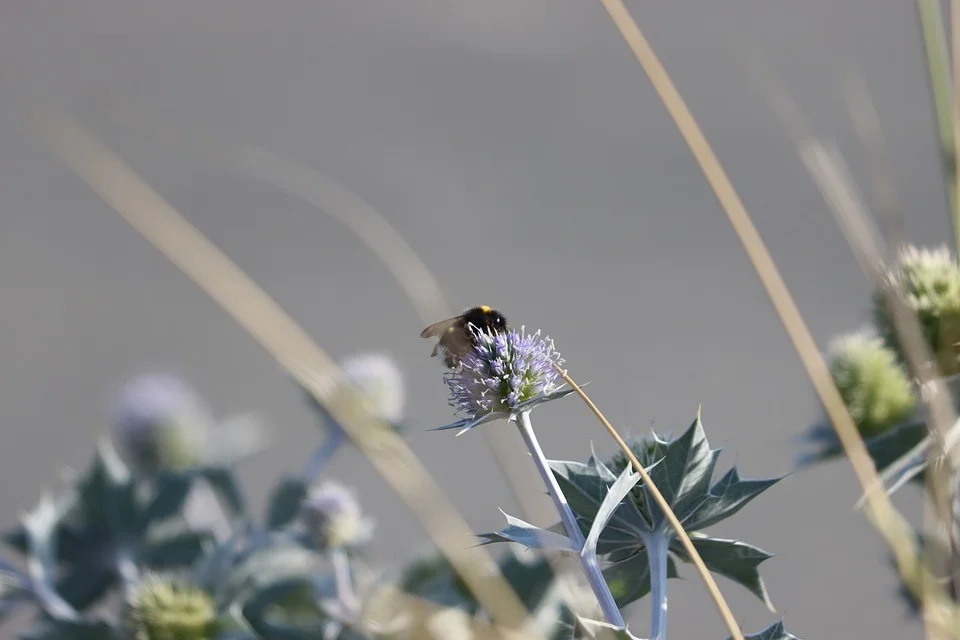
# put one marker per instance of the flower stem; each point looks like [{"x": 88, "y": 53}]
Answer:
[
  {"x": 589, "y": 564},
  {"x": 718, "y": 599},
  {"x": 657, "y": 545},
  {"x": 344, "y": 582},
  {"x": 323, "y": 454}
]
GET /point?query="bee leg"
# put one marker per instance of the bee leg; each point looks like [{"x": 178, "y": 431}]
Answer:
[{"x": 433, "y": 353}]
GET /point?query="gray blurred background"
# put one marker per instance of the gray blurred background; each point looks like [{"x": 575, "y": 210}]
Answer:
[{"x": 519, "y": 148}]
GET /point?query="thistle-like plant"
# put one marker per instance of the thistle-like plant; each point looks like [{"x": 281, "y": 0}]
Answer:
[
  {"x": 869, "y": 369},
  {"x": 927, "y": 281},
  {"x": 379, "y": 386},
  {"x": 108, "y": 527},
  {"x": 505, "y": 376},
  {"x": 299, "y": 572},
  {"x": 624, "y": 526},
  {"x": 162, "y": 424},
  {"x": 878, "y": 393},
  {"x": 168, "y": 608}
]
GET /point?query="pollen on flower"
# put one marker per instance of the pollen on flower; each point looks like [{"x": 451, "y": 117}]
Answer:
[{"x": 504, "y": 370}]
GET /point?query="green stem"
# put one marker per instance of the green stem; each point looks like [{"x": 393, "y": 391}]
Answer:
[{"x": 941, "y": 88}]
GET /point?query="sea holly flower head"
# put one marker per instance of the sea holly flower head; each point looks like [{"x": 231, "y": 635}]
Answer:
[
  {"x": 928, "y": 283},
  {"x": 877, "y": 391},
  {"x": 162, "y": 423},
  {"x": 333, "y": 517},
  {"x": 379, "y": 381},
  {"x": 505, "y": 373},
  {"x": 163, "y": 608}
]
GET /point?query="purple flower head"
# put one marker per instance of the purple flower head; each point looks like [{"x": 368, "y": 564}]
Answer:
[
  {"x": 332, "y": 515},
  {"x": 504, "y": 371},
  {"x": 162, "y": 422}
]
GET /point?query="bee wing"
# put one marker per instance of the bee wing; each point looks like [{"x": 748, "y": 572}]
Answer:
[{"x": 438, "y": 328}]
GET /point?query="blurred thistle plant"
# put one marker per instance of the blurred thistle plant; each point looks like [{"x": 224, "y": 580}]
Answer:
[
  {"x": 169, "y": 608},
  {"x": 874, "y": 386},
  {"x": 380, "y": 383},
  {"x": 879, "y": 394},
  {"x": 928, "y": 283},
  {"x": 119, "y": 533},
  {"x": 333, "y": 518},
  {"x": 163, "y": 424},
  {"x": 379, "y": 386}
]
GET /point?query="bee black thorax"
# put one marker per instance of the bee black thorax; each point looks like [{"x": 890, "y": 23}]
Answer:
[
  {"x": 458, "y": 335},
  {"x": 485, "y": 319}
]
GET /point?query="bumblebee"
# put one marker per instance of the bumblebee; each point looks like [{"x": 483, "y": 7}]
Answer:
[{"x": 456, "y": 338}]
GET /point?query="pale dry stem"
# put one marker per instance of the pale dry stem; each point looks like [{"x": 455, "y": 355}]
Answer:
[
  {"x": 256, "y": 312},
  {"x": 725, "y": 613},
  {"x": 891, "y": 525}
]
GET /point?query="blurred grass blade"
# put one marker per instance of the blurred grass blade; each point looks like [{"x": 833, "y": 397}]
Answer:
[
  {"x": 895, "y": 530},
  {"x": 250, "y": 306},
  {"x": 353, "y": 212},
  {"x": 938, "y": 68},
  {"x": 866, "y": 123},
  {"x": 832, "y": 177},
  {"x": 413, "y": 275},
  {"x": 336, "y": 200}
]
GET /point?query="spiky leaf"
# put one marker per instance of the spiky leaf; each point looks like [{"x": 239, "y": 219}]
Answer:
[
  {"x": 776, "y": 631},
  {"x": 180, "y": 550},
  {"x": 71, "y": 630},
  {"x": 730, "y": 494},
  {"x": 284, "y": 504},
  {"x": 611, "y": 502},
  {"x": 628, "y": 576},
  {"x": 168, "y": 499},
  {"x": 530, "y": 536},
  {"x": 598, "y": 630},
  {"x": 682, "y": 469},
  {"x": 585, "y": 487},
  {"x": 225, "y": 485},
  {"x": 734, "y": 560}
]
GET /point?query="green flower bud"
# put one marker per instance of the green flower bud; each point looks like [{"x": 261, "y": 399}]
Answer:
[
  {"x": 929, "y": 284},
  {"x": 873, "y": 385},
  {"x": 165, "y": 608}
]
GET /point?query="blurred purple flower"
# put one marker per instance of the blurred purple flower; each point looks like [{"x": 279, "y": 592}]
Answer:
[
  {"x": 333, "y": 517},
  {"x": 379, "y": 381},
  {"x": 161, "y": 422}
]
